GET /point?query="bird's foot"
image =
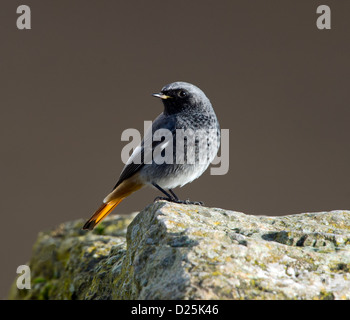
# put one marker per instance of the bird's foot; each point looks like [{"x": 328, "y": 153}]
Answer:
[
  {"x": 197, "y": 203},
  {"x": 163, "y": 198}
]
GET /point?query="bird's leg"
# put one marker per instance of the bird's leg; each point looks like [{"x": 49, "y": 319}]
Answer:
[
  {"x": 173, "y": 194},
  {"x": 169, "y": 197},
  {"x": 177, "y": 200},
  {"x": 174, "y": 198}
]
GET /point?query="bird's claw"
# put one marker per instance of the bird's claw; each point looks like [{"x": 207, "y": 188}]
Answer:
[
  {"x": 197, "y": 203},
  {"x": 162, "y": 198}
]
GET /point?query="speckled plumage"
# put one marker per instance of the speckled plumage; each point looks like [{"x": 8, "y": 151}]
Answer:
[{"x": 195, "y": 113}]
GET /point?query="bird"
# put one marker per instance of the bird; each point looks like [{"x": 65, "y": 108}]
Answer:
[{"x": 187, "y": 110}]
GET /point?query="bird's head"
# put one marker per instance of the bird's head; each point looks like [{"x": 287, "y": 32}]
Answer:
[{"x": 182, "y": 97}]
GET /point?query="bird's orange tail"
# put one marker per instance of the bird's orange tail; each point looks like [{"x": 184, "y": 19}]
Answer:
[
  {"x": 124, "y": 189},
  {"x": 101, "y": 213}
]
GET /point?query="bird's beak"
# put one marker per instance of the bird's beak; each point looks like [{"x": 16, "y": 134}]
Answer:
[{"x": 161, "y": 95}]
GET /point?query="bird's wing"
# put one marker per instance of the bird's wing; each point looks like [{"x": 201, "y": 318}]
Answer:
[
  {"x": 133, "y": 165},
  {"x": 145, "y": 152}
]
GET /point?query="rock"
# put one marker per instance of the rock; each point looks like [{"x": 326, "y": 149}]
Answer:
[{"x": 173, "y": 251}]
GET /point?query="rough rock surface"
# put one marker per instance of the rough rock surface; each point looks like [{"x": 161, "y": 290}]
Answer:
[{"x": 172, "y": 251}]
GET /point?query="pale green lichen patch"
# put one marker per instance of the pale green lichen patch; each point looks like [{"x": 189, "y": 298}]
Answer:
[{"x": 174, "y": 251}]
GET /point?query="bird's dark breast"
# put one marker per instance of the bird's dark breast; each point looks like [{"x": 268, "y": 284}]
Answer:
[
  {"x": 197, "y": 121},
  {"x": 196, "y": 140}
]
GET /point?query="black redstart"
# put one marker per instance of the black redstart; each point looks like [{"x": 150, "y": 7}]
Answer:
[{"x": 187, "y": 112}]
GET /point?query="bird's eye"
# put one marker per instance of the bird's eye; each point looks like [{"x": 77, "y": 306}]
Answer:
[{"x": 182, "y": 93}]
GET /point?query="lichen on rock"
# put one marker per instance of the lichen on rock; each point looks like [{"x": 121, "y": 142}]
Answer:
[{"x": 173, "y": 251}]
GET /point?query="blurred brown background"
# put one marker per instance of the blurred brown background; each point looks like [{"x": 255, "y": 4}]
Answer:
[{"x": 85, "y": 72}]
